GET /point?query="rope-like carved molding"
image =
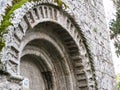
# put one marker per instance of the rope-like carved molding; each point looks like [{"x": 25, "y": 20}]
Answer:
[{"x": 38, "y": 13}]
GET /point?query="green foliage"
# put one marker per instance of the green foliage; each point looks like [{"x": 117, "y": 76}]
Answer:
[
  {"x": 5, "y": 23},
  {"x": 9, "y": 11},
  {"x": 118, "y": 85},
  {"x": 118, "y": 81},
  {"x": 116, "y": 4},
  {"x": 115, "y": 28},
  {"x": 6, "y": 19},
  {"x": 61, "y": 3}
]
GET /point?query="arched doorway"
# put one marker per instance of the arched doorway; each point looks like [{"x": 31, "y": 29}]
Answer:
[
  {"x": 30, "y": 70},
  {"x": 45, "y": 58},
  {"x": 49, "y": 41}
]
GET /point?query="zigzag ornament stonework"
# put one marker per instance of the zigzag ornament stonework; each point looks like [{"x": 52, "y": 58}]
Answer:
[{"x": 50, "y": 48}]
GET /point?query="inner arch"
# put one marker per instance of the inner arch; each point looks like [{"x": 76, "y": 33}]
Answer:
[
  {"x": 46, "y": 19},
  {"x": 61, "y": 48},
  {"x": 31, "y": 68},
  {"x": 47, "y": 41}
]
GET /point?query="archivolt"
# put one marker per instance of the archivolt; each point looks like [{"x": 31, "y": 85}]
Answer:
[{"x": 73, "y": 39}]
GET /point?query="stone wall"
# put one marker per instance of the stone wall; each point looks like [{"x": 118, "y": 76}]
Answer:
[
  {"x": 91, "y": 18},
  {"x": 89, "y": 15}
]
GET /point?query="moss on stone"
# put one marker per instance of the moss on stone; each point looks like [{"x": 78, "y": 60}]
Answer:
[{"x": 10, "y": 10}]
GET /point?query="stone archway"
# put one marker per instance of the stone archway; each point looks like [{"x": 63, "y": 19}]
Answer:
[
  {"x": 29, "y": 69},
  {"x": 41, "y": 35},
  {"x": 44, "y": 42}
]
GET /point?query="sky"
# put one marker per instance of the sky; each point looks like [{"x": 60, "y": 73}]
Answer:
[{"x": 110, "y": 14}]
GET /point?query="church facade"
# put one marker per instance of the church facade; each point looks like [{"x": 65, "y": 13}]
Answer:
[{"x": 52, "y": 48}]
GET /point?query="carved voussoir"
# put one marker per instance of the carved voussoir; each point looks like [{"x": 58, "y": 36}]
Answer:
[
  {"x": 28, "y": 17},
  {"x": 68, "y": 35},
  {"x": 24, "y": 25},
  {"x": 19, "y": 33}
]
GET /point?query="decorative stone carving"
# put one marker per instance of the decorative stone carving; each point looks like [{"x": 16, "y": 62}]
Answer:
[
  {"x": 32, "y": 14},
  {"x": 12, "y": 55}
]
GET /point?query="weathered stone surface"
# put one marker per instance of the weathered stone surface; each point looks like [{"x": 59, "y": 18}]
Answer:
[{"x": 35, "y": 21}]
